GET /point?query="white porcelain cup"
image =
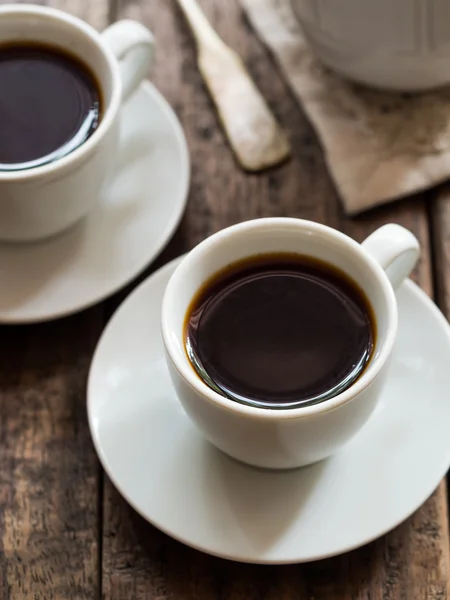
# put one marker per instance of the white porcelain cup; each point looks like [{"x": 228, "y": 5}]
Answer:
[
  {"x": 399, "y": 45},
  {"x": 38, "y": 202},
  {"x": 287, "y": 438}
]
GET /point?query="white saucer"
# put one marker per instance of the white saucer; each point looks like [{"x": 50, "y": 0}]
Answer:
[
  {"x": 182, "y": 485},
  {"x": 134, "y": 219}
]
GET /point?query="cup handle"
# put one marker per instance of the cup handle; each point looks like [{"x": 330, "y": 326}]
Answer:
[
  {"x": 396, "y": 249},
  {"x": 133, "y": 45}
]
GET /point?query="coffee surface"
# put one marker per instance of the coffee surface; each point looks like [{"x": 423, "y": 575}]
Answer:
[
  {"x": 280, "y": 331},
  {"x": 50, "y": 104}
]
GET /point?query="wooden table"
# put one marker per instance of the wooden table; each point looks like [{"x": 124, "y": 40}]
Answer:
[{"x": 64, "y": 530}]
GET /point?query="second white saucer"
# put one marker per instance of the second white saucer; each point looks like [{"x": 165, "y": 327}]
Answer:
[
  {"x": 180, "y": 483},
  {"x": 134, "y": 219}
]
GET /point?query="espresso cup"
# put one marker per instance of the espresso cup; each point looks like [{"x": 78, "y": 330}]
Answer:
[
  {"x": 293, "y": 437},
  {"x": 39, "y": 202}
]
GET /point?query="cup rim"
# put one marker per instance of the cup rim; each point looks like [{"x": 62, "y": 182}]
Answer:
[
  {"x": 190, "y": 377},
  {"x": 110, "y": 111}
]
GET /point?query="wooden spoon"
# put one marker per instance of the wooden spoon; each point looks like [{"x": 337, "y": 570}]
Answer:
[{"x": 253, "y": 133}]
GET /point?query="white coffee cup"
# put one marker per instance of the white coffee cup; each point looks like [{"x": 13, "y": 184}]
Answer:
[
  {"x": 39, "y": 202},
  {"x": 287, "y": 438},
  {"x": 399, "y": 45}
]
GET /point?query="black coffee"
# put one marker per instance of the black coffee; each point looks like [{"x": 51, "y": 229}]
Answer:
[
  {"x": 50, "y": 104},
  {"x": 280, "y": 331}
]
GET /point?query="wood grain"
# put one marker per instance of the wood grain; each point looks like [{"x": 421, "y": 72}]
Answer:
[
  {"x": 49, "y": 475},
  {"x": 440, "y": 226},
  {"x": 413, "y": 561}
]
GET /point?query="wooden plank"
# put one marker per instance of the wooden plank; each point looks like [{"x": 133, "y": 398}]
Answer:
[
  {"x": 440, "y": 225},
  {"x": 49, "y": 474},
  {"x": 140, "y": 562}
]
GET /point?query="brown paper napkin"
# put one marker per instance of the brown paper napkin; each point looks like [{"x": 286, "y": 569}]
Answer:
[{"x": 378, "y": 146}]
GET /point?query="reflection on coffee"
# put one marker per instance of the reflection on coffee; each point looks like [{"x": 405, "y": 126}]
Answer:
[
  {"x": 280, "y": 331},
  {"x": 50, "y": 104}
]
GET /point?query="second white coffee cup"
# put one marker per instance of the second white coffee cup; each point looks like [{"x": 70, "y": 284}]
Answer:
[{"x": 39, "y": 202}]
